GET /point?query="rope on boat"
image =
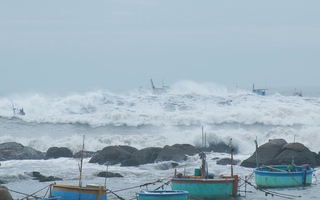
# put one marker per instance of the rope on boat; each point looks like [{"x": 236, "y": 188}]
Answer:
[
  {"x": 116, "y": 195},
  {"x": 31, "y": 195},
  {"x": 161, "y": 186},
  {"x": 315, "y": 177},
  {"x": 272, "y": 168},
  {"x": 272, "y": 193},
  {"x": 143, "y": 185}
]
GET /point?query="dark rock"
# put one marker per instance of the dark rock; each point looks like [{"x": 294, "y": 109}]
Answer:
[
  {"x": 279, "y": 152},
  {"x": 317, "y": 156},
  {"x": 227, "y": 161},
  {"x": 16, "y": 151},
  {"x": 146, "y": 155},
  {"x": 42, "y": 178},
  {"x": 296, "y": 151},
  {"x": 57, "y": 152},
  {"x": 86, "y": 154},
  {"x": 111, "y": 155},
  {"x": 129, "y": 163},
  {"x": 266, "y": 153},
  {"x": 108, "y": 174},
  {"x": 129, "y": 149},
  {"x": 177, "y": 152}
]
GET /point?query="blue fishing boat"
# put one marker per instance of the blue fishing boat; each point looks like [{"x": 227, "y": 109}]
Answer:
[
  {"x": 261, "y": 91},
  {"x": 74, "y": 192},
  {"x": 163, "y": 195},
  {"x": 78, "y": 192},
  {"x": 204, "y": 185},
  {"x": 282, "y": 176}
]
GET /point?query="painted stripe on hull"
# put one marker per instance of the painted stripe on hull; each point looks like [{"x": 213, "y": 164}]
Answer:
[
  {"x": 67, "y": 192},
  {"x": 276, "y": 179},
  {"x": 163, "y": 195},
  {"x": 205, "y": 188}
]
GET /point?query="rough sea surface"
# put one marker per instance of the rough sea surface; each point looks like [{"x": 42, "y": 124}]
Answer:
[{"x": 142, "y": 119}]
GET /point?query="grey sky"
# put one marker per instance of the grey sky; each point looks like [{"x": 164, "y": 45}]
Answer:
[{"x": 119, "y": 45}]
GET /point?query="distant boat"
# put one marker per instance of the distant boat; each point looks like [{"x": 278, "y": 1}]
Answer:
[
  {"x": 260, "y": 91},
  {"x": 283, "y": 176},
  {"x": 203, "y": 185},
  {"x": 163, "y": 194},
  {"x": 18, "y": 111},
  {"x": 156, "y": 90},
  {"x": 78, "y": 192},
  {"x": 295, "y": 93}
]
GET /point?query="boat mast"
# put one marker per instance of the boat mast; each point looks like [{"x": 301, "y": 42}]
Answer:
[
  {"x": 153, "y": 87},
  {"x": 81, "y": 163},
  {"x": 231, "y": 146}
]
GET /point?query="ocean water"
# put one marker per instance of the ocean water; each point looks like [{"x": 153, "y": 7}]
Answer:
[{"x": 142, "y": 119}]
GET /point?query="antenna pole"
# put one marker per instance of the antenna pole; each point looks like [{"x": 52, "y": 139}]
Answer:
[
  {"x": 81, "y": 163},
  {"x": 202, "y": 137},
  {"x": 231, "y": 146}
]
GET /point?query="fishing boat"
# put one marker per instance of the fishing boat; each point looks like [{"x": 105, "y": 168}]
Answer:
[
  {"x": 156, "y": 90},
  {"x": 297, "y": 93},
  {"x": 163, "y": 195},
  {"x": 18, "y": 111},
  {"x": 260, "y": 91},
  {"x": 282, "y": 176},
  {"x": 78, "y": 192},
  {"x": 204, "y": 185}
]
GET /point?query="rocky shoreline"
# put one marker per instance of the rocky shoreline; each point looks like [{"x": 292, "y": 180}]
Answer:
[{"x": 274, "y": 152}]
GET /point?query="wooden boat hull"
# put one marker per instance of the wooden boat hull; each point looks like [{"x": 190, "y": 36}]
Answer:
[
  {"x": 277, "y": 177},
  {"x": 217, "y": 188},
  {"x": 163, "y": 195},
  {"x": 70, "y": 192}
]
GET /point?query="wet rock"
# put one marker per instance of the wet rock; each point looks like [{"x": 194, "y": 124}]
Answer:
[
  {"x": 129, "y": 163},
  {"x": 227, "y": 161},
  {"x": 86, "y": 154},
  {"x": 42, "y": 178},
  {"x": 57, "y": 152},
  {"x": 108, "y": 174},
  {"x": 279, "y": 152},
  {"x": 146, "y": 155},
  {"x": 16, "y": 151},
  {"x": 176, "y": 152},
  {"x": 111, "y": 155}
]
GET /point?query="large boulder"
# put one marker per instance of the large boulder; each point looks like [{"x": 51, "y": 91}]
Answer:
[
  {"x": 297, "y": 153},
  {"x": 111, "y": 155},
  {"x": 279, "y": 152},
  {"x": 57, "y": 152},
  {"x": 16, "y": 151},
  {"x": 85, "y": 154},
  {"x": 108, "y": 174},
  {"x": 42, "y": 178},
  {"x": 176, "y": 152},
  {"x": 146, "y": 155},
  {"x": 266, "y": 153}
]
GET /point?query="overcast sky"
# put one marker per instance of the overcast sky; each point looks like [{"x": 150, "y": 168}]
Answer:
[{"x": 118, "y": 45}]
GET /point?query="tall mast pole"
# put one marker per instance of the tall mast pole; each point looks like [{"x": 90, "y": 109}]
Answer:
[{"x": 81, "y": 163}]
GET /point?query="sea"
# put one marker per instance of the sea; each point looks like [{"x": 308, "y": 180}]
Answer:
[{"x": 182, "y": 115}]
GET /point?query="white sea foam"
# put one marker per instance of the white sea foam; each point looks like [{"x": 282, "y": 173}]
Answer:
[{"x": 142, "y": 119}]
